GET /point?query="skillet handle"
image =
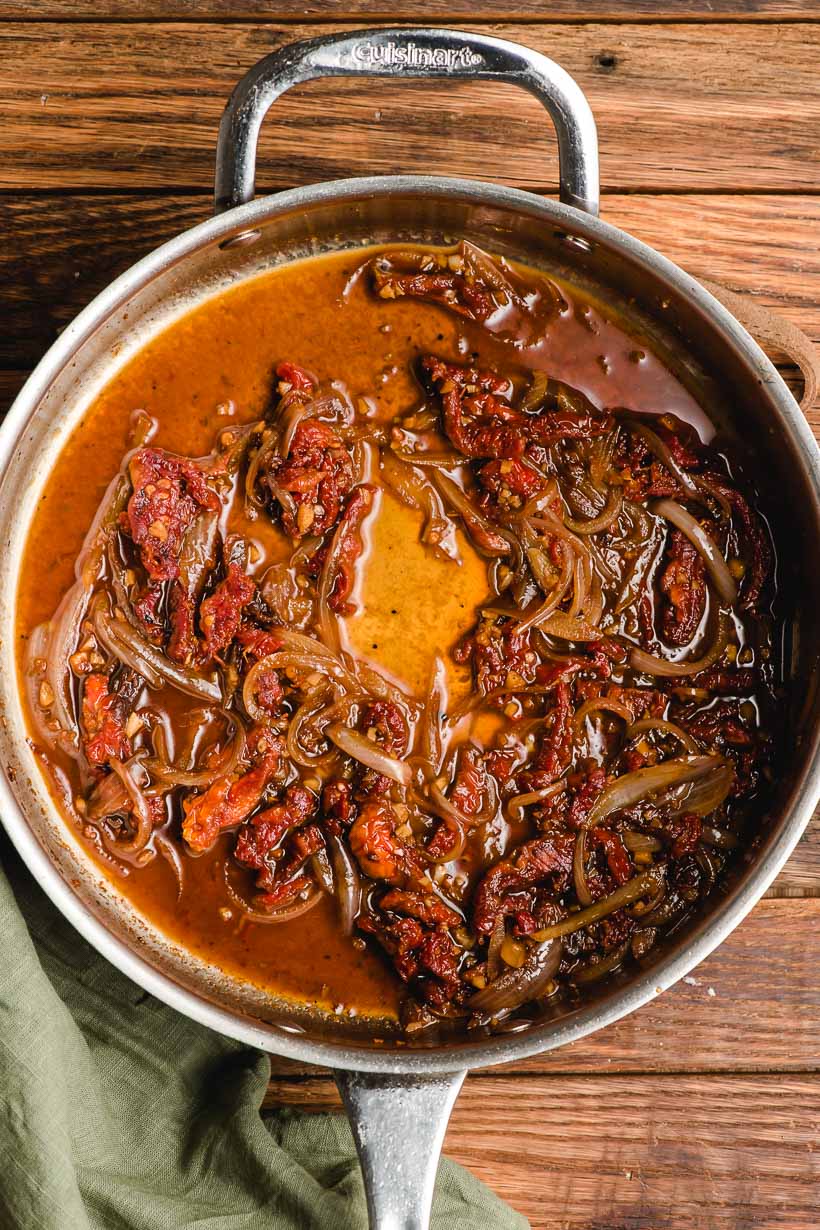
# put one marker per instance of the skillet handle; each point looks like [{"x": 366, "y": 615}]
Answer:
[
  {"x": 398, "y": 1125},
  {"x": 406, "y": 53}
]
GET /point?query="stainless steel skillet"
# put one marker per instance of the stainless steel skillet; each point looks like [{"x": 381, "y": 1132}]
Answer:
[{"x": 398, "y": 1096}]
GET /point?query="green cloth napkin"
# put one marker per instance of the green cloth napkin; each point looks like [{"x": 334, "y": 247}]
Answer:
[{"x": 120, "y": 1114}]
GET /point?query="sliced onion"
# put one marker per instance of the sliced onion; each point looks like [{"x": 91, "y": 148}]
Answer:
[
  {"x": 347, "y": 882},
  {"x": 518, "y": 986},
  {"x": 108, "y": 797},
  {"x": 288, "y": 422},
  {"x": 656, "y": 446},
  {"x": 171, "y": 854},
  {"x": 666, "y": 728},
  {"x": 298, "y": 642},
  {"x": 566, "y": 628},
  {"x": 265, "y": 450},
  {"x": 432, "y": 734},
  {"x": 320, "y": 866},
  {"x": 560, "y": 587},
  {"x": 712, "y": 557},
  {"x": 415, "y": 490},
  {"x": 497, "y": 937},
  {"x": 639, "y": 886},
  {"x": 357, "y": 745},
  {"x": 609, "y": 514},
  {"x": 537, "y": 391},
  {"x": 579, "y": 869},
  {"x": 139, "y": 806},
  {"x": 441, "y": 805},
  {"x": 300, "y": 906},
  {"x": 640, "y": 843},
  {"x": 515, "y": 806},
  {"x": 600, "y": 704},
  {"x": 130, "y": 647},
  {"x": 53, "y": 643},
  {"x": 313, "y": 663},
  {"x": 485, "y": 535},
  {"x": 721, "y": 838},
  {"x": 632, "y": 788},
  {"x": 173, "y": 775},
  {"x": 594, "y": 971},
  {"x": 438, "y": 460},
  {"x": 702, "y": 797},
  {"x": 651, "y": 664},
  {"x": 579, "y": 587},
  {"x": 313, "y": 704}
]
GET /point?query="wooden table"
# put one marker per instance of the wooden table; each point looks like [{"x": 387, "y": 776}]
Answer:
[{"x": 701, "y": 1110}]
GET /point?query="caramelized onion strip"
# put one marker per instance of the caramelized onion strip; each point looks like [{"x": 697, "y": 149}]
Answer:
[
  {"x": 354, "y": 743},
  {"x": 651, "y": 664},
  {"x": 667, "y": 728},
  {"x": 518, "y": 986},
  {"x": 716, "y": 565},
  {"x": 639, "y": 886},
  {"x": 632, "y": 788}
]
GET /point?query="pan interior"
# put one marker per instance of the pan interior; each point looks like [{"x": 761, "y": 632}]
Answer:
[{"x": 735, "y": 391}]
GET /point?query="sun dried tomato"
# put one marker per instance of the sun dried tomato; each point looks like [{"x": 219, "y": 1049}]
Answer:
[
  {"x": 426, "y": 907},
  {"x": 470, "y": 783},
  {"x": 294, "y": 378},
  {"x": 168, "y": 493},
  {"x": 501, "y": 655},
  {"x": 229, "y": 801},
  {"x": 555, "y": 750},
  {"x": 507, "y": 485},
  {"x": 548, "y": 857},
  {"x": 338, "y": 807},
  {"x": 102, "y": 719},
  {"x": 183, "y": 646},
  {"x": 445, "y": 287},
  {"x": 220, "y": 614},
  {"x": 686, "y": 831},
  {"x": 477, "y": 421},
  {"x": 617, "y": 856},
  {"x": 586, "y": 795},
  {"x": 257, "y": 642},
  {"x": 148, "y": 613},
  {"x": 348, "y": 547},
  {"x": 317, "y": 474},
  {"x": 683, "y": 584},
  {"x": 381, "y": 854}
]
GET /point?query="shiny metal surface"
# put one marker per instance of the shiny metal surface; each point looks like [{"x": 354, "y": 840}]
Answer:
[
  {"x": 399, "y": 1124},
  {"x": 385, "y": 1086},
  {"x": 407, "y": 53}
]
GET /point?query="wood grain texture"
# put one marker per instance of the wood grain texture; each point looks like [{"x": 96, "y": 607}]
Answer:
[
  {"x": 137, "y": 106},
  {"x": 405, "y": 11},
  {"x": 597, "y": 1152}
]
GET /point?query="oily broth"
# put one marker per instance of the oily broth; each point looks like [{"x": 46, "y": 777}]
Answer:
[{"x": 212, "y": 369}]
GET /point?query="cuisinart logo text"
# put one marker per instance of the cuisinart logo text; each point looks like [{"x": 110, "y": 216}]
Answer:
[{"x": 410, "y": 55}]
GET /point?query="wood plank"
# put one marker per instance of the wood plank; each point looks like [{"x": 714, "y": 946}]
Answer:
[
  {"x": 634, "y": 1153},
  {"x": 752, "y": 1005},
  {"x": 407, "y": 10},
  {"x": 89, "y": 105},
  {"x": 67, "y": 248}
]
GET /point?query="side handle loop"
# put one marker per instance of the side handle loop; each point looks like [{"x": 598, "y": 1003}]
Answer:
[{"x": 448, "y": 54}]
